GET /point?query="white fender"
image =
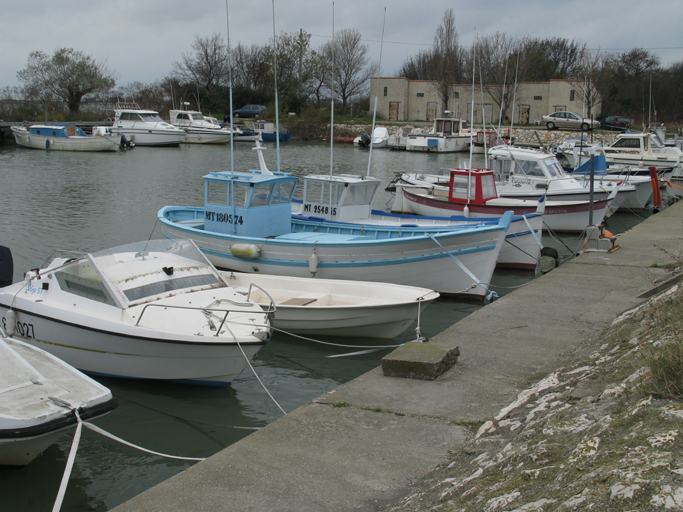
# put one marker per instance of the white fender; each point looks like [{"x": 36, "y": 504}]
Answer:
[
  {"x": 246, "y": 251},
  {"x": 313, "y": 263},
  {"x": 11, "y": 322}
]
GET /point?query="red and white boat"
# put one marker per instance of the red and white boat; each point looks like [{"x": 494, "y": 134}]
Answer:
[{"x": 472, "y": 192}]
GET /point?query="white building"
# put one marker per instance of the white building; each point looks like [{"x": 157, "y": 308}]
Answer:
[{"x": 400, "y": 99}]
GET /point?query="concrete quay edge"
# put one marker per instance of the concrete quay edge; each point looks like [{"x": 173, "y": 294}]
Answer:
[{"x": 362, "y": 445}]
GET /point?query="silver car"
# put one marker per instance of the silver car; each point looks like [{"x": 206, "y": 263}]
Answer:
[{"x": 569, "y": 120}]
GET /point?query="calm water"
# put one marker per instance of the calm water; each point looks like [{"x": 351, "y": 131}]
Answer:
[{"x": 81, "y": 201}]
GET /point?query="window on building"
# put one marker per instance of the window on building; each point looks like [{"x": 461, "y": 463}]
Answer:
[
  {"x": 538, "y": 97},
  {"x": 572, "y": 93},
  {"x": 456, "y": 95},
  {"x": 420, "y": 95},
  {"x": 386, "y": 91}
]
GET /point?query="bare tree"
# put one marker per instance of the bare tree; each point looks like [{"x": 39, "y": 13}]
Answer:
[
  {"x": 496, "y": 67},
  {"x": 68, "y": 76},
  {"x": 418, "y": 67},
  {"x": 207, "y": 66},
  {"x": 351, "y": 65},
  {"x": 446, "y": 58}
]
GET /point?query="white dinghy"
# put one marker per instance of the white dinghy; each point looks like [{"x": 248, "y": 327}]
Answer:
[
  {"x": 149, "y": 310},
  {"x": 38, "y": 396},
  {"x": 328, "y": 307}
]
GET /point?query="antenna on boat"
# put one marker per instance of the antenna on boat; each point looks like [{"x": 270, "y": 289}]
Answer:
[
  {"x": 374, "y": 110},
  {"x": 277, "y": 108},
  {"x": 232, "y": 133}
]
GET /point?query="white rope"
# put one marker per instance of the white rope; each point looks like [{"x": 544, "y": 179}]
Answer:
[
  {"x": 69, "y": 464},
  {"x": 260, "y": 381}
]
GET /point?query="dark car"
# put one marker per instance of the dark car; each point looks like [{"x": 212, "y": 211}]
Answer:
[
  {"x": 249, "y": 111},
  {"x": 616, "y": 123}
]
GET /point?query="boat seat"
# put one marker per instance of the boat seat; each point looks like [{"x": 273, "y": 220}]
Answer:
[{"x": 299, "y": 301}]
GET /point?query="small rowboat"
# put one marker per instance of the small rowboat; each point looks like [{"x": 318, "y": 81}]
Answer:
[{"x": 330, "y": 307}]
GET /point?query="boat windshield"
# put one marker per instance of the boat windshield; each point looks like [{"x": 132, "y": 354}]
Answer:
[
  {"x": 197, "y": 117},
  {"x": 554, "y": 167},
  {"x": 154, "y": 269},
  {"x": 151, "y": 118},
  {"x": 655, "y": 141}
]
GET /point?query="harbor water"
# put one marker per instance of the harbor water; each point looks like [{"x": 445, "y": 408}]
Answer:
[{"x": 92, "y": 201}]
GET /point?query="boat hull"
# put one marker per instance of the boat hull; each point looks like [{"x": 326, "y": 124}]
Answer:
[
  {"x": 73, "y": 143},
  {"x": 206, "y": 137},
  {"x": 558, "y": 216},
  {"x": 336, "y": 308},
  {"x": 420, "y": 260},
  {"x": 437, "y": 143},
  {"x": 152, "y": 137},
  {"x": 32, "y": 382},
  {"x": 96, "y": 348}
]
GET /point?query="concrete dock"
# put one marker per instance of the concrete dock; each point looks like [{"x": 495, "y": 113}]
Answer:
[{"x": 362, "y": 445}]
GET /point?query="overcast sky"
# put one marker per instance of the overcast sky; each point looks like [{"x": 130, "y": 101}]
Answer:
[{"x": 140, "y": 39}]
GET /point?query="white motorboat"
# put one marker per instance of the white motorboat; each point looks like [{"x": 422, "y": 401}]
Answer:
[
  {"x": 38, "y": 396},
  {"x": 327, "y": 307},
  {"x": 199, "y": 130},
  {"x": 642, "y": 149},
  {"x": 150, "y": 310},
  {"x": 523, "y": 173},
  {"x": 473, "y": 191},
  {"x": 145, "y": 127},
  {"x": 379, "y": 139},
  {"x": 447, "y": 136},
  {"x": 64, "y": 138}
]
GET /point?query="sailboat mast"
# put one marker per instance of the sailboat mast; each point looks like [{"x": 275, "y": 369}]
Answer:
[
  {"x": 232, "y": 133},
  {"x": 332, "y": 102},
  {"x": 277, "y": 108},
  {"x": 374, "y": 110}
]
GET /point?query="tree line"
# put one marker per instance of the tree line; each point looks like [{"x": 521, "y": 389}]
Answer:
[{"x": 630, "y": 83}]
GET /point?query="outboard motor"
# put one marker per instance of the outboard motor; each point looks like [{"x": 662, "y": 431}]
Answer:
[
  {"x": 365, "y": 140},
  {"x": 6, "y": 267},
  {"x": 125, "y": 142}
]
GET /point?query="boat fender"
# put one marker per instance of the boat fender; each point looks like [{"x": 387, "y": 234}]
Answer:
[
  {"x": 47, "y": 144},
  {"x": 548, "y": 260},
  {"x": 11, "y": 322},
  {"x": 313, "y": 263},
  {"x": 246, "y": 251},
  {"x": 6, "y": 266},
  {"x": 466, "y": 211}
]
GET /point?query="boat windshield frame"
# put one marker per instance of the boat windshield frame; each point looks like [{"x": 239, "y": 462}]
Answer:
[{"x": 202, "y": 276}]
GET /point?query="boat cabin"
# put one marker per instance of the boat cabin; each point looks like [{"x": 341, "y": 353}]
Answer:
[
  {"x": 449, "y": 126},
  {"x": 472, "y": 186},
  {"x": 252, "y": 204},
  {"x": 64, "y": 131},
  {"x": 339, "y": 197},
  {"x": 186, "y": 117},
  {"x": 507, "y": 162}
]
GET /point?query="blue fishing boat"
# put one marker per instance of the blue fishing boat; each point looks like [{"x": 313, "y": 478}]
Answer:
[{"x": 246, "y": 225}]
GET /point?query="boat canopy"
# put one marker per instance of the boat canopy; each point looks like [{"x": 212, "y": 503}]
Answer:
[
  {"x": 339, "y": 197},
  {"x": 250, "y": 204}
]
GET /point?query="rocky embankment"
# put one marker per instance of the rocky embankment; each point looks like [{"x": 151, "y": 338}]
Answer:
[{"x": 600, "y": 434}]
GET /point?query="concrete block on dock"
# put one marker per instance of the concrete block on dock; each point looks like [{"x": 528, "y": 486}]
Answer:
[{"x": 425, "y": 361}]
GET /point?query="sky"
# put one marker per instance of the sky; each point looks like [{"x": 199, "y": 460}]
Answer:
[{"x": 140, "y": 39}]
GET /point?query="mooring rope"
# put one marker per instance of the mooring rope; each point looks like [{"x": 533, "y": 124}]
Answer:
[{"x": 74, "y": 449}]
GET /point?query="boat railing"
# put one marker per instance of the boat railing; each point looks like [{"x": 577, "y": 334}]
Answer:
[
  {"x": 271, "y": 307},
  {"x": 225, "y": 312}
]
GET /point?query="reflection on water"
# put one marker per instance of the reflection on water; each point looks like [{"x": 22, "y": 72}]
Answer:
[{"x": 89, "y": 202}]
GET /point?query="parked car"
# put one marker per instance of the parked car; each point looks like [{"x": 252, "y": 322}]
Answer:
[
  {"x": 616, "y": 123},
  {"x": 249, "y": 111},
  {"x": 568, "y": 120}
]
